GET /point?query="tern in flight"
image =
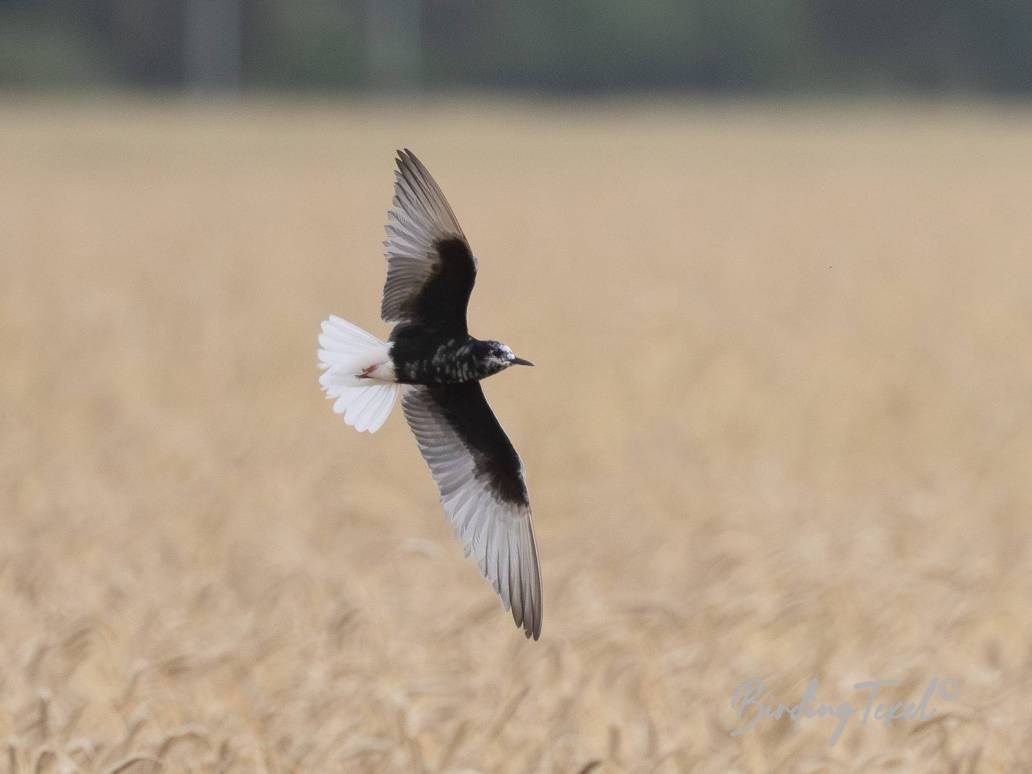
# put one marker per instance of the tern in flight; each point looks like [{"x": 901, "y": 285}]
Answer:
[{"x": 437, "y": 365}]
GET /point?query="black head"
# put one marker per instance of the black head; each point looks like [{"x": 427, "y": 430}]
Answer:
[{"x": 493, "y": 356}]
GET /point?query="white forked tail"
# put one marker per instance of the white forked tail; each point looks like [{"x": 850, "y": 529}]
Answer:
[{"x": 359, "y": 374}]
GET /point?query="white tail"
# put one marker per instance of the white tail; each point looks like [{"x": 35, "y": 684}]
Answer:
[{"x": 359, "y": 374}]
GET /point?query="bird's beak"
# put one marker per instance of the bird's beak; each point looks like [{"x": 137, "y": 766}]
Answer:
[{"x": 521, "y": 361}]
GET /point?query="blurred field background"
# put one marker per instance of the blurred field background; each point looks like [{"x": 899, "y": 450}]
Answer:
[
  {"x": 771, "y": 259},
  {"x": 778, "y": 428}
]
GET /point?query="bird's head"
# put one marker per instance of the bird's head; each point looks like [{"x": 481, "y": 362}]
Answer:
[{"x": 495, "y": 356}]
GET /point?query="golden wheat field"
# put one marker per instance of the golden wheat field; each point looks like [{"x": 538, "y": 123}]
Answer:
[{"x": 779, "y": 429}]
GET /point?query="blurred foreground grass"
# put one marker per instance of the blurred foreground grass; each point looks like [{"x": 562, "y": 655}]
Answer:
[{"x": 779, "y": 428}]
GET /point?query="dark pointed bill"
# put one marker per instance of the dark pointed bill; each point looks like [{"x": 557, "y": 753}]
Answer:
[{"x": 521, "y": 361}]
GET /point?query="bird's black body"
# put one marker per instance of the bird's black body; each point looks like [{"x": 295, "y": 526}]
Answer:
[
  {"x": 421, "y": 355},
  {"x": 433, "y": 348},
  {"x": 432, "y": 344}
]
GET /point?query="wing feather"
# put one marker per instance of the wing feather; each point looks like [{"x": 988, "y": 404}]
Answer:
[
  {"x": 482, "y": 487},
  {"x": 430, "y": 268}
]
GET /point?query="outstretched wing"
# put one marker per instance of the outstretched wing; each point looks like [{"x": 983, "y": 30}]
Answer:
[
  {"x": 430, "y": 268},
  {"x": 480, "y": 478}
]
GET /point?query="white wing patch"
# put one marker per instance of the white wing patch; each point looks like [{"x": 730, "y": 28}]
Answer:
[{"x": 499, "y": 535}]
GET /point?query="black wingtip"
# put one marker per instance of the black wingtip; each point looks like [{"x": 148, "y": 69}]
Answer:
[
  {"x": 530, "y": 630},
  {"x": 528, "y": 619},
  {"x": 411, "y": 167}
]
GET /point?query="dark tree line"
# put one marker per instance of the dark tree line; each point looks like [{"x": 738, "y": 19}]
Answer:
[{"x": 587, "y": 46}]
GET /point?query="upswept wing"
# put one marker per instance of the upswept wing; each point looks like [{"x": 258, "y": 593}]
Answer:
[
  {"x": 430, "y": 268},
  {"x": 480, "y": 478}
]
